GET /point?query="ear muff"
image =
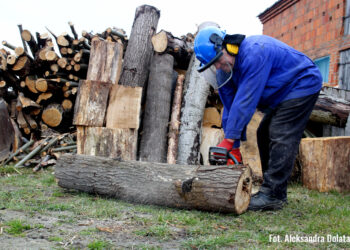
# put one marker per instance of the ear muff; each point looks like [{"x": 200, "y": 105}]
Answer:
[{"x": 232, "y": 49}]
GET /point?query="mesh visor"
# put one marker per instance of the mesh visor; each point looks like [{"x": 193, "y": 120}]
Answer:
[{"x": 216, "y": 81}]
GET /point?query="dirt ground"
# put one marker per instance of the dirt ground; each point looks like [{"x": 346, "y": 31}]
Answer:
[{"x": 75, "y": 235}]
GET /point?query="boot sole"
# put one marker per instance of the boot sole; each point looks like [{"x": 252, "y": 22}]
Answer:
[{"x": 267, "y": 207}]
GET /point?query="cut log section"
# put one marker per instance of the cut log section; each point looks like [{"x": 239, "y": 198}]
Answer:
[
  {"x": 91, "y": 103},
  {"x": 105, "y": 62},
  {"x": 212, "y": 117},
  {"x": 108, "y": 142},
  {"x": 153, "y": 145},
  {"x": 124, "y": 107},
  {"x": 208, "y": 188},
  {"x": 326, "y": 163},
  {"x": 52, "y": 115}
]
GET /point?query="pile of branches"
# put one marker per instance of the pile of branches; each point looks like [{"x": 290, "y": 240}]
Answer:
[{"x": 39, "y": 81}]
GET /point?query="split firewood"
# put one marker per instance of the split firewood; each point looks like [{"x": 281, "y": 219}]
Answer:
[{"x": 26, "y": 102}]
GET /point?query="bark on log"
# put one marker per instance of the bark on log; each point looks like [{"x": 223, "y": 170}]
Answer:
[
  {"x": 174, "y": 125},
  {"x": 153, "y": 145},
  {"x": 139, "y": 51},
  {"x": 105, "y": 62},
  {"x": 326, "y": 163},
  {"x": 196, "y": 91},
  {"x": 331, "y": 111},
  {"x": 209, "y": 188},
  {"x": 91, "y": 103}
]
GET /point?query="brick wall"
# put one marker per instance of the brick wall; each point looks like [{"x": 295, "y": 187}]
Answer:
[{"x": 314, "y": 27}]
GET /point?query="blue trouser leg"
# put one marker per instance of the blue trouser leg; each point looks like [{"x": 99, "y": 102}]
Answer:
[{"x": 278, "y": 137}]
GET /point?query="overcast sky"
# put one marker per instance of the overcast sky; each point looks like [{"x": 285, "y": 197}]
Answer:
[{"x": 178, "y": 17}]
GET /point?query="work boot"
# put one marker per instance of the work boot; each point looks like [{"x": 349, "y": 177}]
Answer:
[{"x": 262, "y": 201}]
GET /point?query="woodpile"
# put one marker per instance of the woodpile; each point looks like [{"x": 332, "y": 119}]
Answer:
[{"x": 40, "y": 80}]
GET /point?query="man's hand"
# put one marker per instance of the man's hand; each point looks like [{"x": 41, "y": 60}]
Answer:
[
  {"x": 226, "y": 143},
  {"x": 235, "y": 152}
]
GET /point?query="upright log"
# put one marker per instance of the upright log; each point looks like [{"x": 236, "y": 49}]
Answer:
[
  {"x": 196, "y": 91},
  {"x": 105, "y": 62},
  {"x": 153, "y": 145},
  {"x": 174, "y": 125},
  {"x": 210, "y": 188},
  {"x": 326, "y": 163},
  {"x": 139, "y": 51}
]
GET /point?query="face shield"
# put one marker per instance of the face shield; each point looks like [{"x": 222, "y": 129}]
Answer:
[{"x": 215, "y": 78}]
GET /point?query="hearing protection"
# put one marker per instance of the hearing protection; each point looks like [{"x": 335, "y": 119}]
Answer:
[{"x": 230, "y": 42}]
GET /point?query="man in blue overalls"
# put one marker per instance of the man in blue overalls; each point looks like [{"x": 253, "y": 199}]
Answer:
[{"x": 260, "y": 72}]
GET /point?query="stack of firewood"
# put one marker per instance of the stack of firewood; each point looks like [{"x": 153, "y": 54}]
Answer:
[{"x": 40, "y": 83}]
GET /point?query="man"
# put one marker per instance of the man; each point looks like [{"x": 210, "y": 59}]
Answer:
[{"x": 261, "y": 72}]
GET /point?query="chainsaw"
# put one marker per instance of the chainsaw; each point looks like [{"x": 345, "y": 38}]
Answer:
[{"x": 221, "y": 156}]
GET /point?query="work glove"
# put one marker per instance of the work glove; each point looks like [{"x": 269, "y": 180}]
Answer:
[
  {"x": 226, "y": 144},
  {"x": 236, "y": 153}
]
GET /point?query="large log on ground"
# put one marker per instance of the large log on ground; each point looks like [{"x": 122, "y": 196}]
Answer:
[
  {"x": 210, "y": 188},
  {"x": 139, "y": 51},
  {"x": 153, "y": 145},
  {"x": 6, "y": 131},
  {"x": 326, "y": 163}
]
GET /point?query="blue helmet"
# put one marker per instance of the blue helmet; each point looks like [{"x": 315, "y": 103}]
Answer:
[{"x": 208, "y": 46}]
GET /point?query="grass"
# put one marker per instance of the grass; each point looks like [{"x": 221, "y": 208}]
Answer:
[{"x": 308, "y": 213}]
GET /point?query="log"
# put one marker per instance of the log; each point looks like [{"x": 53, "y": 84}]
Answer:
[
  {"x": 139, "y": 51},
  {"x": 331, "y": 111},
  {"x": 196, "y": 91},
  {"x": 326, "y": 163},
  {"x": 105, "y": 62},
  {"x": 208, "y": 188},
  {"x": 28, "y": 37},
  {"x": 7, "y": 133},
  {"x": 153, "y": 144},
  {"x": 22, "y": 66},
  {"x": 52, "y": 115},
  {"x": 212, "y": 117},
  {"x": 174, "y": 125},
  {"x": 165, "y": 42},
  {"x": 108, "y": 142},
  {"x": 91, "y": 103}
]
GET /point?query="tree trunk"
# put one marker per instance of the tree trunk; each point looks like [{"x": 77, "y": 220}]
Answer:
[
  {"x": 139, "y": 51},
  {"x": 196, "y": 91},
  {"x": 210, "y": 188},
  {"x": 153, "y": 143},
  {"x": 174, "y": 125},
  {"x": 331, "y": 111},
  {"x": 326, "y": 163}
]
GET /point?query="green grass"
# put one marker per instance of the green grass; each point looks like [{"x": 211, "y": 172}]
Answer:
[
  {"x": 308, "y": 213},
  {"x": 16, "y": 227}
]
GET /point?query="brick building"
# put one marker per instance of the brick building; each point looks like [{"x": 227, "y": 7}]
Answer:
[{"x": 318, "y": 28}]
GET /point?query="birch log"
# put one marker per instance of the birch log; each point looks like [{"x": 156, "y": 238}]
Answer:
[
  {"x": 210, "y": 188},
  {"x": 174, "y": 125},
  {"x": 153, "y": 145}
]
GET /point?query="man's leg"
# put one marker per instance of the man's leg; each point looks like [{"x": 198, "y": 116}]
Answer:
[{"x": 286, "y": 127}]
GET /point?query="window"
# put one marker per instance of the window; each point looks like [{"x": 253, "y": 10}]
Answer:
[{"x": 323, "y": 65}]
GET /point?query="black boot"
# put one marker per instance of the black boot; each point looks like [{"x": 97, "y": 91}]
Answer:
[{"x": 262, "y": 201}]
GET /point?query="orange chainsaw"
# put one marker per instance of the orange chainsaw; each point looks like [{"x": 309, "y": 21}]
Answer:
[{"x": 221, "y": 156}]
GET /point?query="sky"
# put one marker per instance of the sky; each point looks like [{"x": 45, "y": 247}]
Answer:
[{"x": 178, "y": 17}]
